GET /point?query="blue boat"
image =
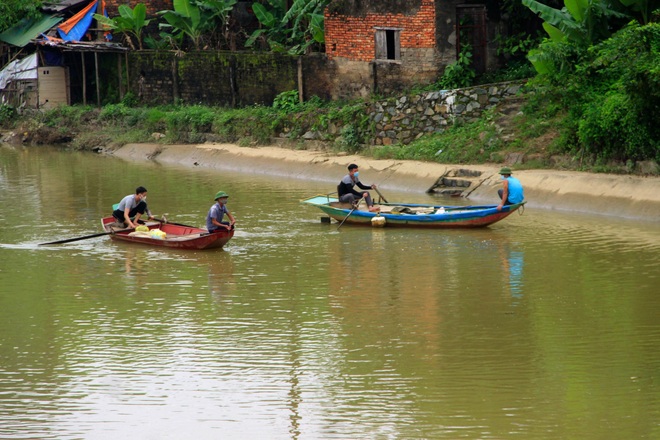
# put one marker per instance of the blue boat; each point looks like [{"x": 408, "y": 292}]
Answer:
[{"x": 413, "y": 215}]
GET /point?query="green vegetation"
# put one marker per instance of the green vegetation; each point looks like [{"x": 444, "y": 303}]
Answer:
[
  {"x": 294, "y": 30},
  {"x": 12, "y": 11},
  {"x": 130, "y": 23},
  {"x": 205, "y": 24},
  {"x": 610, "y": 101},
  {"x": 116, "y": 124},
  {"x": 591, "y": 106}
]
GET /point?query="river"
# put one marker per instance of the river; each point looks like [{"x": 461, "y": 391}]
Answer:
[{"x": 542, "y": 326}]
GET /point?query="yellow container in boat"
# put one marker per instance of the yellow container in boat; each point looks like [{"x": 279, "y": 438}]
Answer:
[{"x": 157, "y": 233}]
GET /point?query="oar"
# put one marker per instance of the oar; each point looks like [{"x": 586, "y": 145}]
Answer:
[
  {"x": 381, "y": 196},
  {"x": 69, "y": 240},
  {"x": 349, "y": 213}
]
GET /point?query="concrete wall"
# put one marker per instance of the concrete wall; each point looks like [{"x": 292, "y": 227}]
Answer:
[{"x": 211, "y": 77}]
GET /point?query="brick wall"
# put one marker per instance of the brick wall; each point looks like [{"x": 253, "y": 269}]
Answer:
[
  {"x": 353, "y": 37},
  {"x": 350, "y": 38}
]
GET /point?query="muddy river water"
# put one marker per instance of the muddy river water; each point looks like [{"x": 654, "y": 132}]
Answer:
[{"x": 542, "y": 326}]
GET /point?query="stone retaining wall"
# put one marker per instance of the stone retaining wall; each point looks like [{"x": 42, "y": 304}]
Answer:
[{"x": 404, "y": 119}]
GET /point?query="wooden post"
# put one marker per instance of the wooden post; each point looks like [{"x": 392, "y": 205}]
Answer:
[
  {"x": 175, "y": 82},
  {"x": 232, "y": 80},
  {"x": 301, "y": 98},
  {"x": 98, "y": 86},
  {"x": 84, "y": 78},
  {"x": 121, "y": 85},
  {"x": 128, "y": 78}
]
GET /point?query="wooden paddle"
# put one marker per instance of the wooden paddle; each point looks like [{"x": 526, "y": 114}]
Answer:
[
  {"x": 355, "y": 206},
  {"x": 69, "y": 240}
]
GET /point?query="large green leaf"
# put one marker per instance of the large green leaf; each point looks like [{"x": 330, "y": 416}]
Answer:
[
  {"x": 184, "y": 7},
  {"x": 577, "y": 8},
  {"x": 140, "y": 15},
  {"x": 555, "y": 34},
  {"x": 540, "y": 62},
  {"x": 263, "y": 15},
  {"x": 316, "y": 26},
  {"x": 561, "y": 20},
  {"x": 553, "y": 16}
]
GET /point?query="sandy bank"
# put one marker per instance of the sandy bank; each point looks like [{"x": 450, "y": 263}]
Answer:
[{"x": 616, "y": 195}]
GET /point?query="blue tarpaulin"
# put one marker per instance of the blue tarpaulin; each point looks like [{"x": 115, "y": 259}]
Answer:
[{"x": 75, "y": 28}]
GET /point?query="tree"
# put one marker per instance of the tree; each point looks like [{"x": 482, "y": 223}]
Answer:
[
  {"x": 579, "y": 24},
  {"x": 642, "y": 9},
  {"x": 130, "y": 22},
  {"x": 188, "y": 19},
  {"x": 220, "y": 11},
  {"x": 294, "y": 30},
  {"x": 13, "y": 11}
]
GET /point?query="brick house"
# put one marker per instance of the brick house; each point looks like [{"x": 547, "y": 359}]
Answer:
[{"x": 384, "y": 47}]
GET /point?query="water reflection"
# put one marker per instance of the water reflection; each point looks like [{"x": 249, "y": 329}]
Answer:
[{"x": 541, "y": 326}]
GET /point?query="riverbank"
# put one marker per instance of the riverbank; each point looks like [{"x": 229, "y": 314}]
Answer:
[{"x": 623, "y": 196}]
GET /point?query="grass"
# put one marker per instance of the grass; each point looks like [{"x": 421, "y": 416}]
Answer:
[{"x": 536, "y": 129}]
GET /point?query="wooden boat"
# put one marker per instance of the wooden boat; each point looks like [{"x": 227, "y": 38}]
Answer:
[
  {"x": 176, "y": 235},
  {"x": 413, "y": 215}
]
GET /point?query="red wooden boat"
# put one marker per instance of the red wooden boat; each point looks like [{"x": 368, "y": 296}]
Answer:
[{"x": 176, "y": 235}]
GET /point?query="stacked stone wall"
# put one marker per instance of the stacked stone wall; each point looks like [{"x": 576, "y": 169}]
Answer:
[{"x": 404, "y": 119}]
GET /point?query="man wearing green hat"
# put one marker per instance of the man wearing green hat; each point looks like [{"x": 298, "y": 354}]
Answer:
[
  {"x": 511, "y": 191},
  {"x": 217, "y": 213}
]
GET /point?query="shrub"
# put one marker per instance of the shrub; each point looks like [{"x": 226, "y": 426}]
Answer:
[
  {"x": 7, "y": 114},
  {"x": 287, "y": 101},
  {"x": 610, "y": 91}
]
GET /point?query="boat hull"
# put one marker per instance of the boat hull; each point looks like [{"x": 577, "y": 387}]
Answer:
[
  {"x": 177, "y": 236},
  {"x": 420, "y": 216}
]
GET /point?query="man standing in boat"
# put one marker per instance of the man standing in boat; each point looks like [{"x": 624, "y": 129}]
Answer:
[
  {"x": 348, "y": 195},
  {"x": 511, "y": 191},
  {"x": 131, "y": 208},
  {"x": 217, "y": 213}
]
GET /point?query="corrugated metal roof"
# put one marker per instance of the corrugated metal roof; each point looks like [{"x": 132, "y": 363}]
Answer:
[{"x": 26, "y": 30}]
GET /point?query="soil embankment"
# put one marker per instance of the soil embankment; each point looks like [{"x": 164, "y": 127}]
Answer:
[{"x": 617, "y": 195}]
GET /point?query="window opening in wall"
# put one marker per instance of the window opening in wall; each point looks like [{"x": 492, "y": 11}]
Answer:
[
  {"x": 389, "y": 37},
  {"x": 388, "y": 44}
]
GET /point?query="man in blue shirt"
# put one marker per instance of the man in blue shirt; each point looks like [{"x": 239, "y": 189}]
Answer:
[
  {"x": 511, "y": 191},
  {"x": 217, "y": 212}
]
